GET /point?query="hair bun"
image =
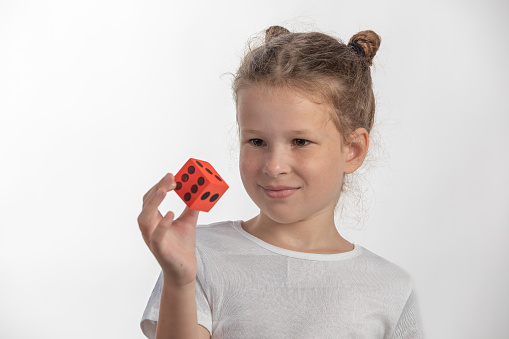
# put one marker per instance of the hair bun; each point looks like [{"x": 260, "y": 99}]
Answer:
[
  {"x": 369, "y": 41},
  {"x": 274, "y": 31}
]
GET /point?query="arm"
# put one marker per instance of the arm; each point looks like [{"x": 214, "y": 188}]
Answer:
[
  {"x": 409, "y": 325},
  {"x": 177, "y": 312},
  {"x": 173, "y": 243}
]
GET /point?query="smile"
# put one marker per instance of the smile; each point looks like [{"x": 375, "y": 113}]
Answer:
[{"x": 279, "y": 192}]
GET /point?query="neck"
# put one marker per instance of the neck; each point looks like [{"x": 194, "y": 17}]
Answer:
[{"x": 317, "y": 235}]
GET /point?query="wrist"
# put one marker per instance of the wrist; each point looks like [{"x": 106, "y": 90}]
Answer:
[{"x": 169, "y": 283}]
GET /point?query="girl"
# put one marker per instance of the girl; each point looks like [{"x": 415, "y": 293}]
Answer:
[{"x": 305, "y": 107}]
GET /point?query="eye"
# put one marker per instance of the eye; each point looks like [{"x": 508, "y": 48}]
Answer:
[
  {"x": 256, "y": 142},
  {"x": 301, "y": 142}
]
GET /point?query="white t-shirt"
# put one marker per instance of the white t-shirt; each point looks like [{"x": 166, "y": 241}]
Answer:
[{"x": 247, "y": 288}]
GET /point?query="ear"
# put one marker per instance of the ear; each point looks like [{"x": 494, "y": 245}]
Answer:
[{"x": 356, "y": 151}]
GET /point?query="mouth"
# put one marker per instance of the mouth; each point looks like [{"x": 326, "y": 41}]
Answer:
[{"x": 279, "y": 192}]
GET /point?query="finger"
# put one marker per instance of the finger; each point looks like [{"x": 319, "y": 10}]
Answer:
[
  {"x": 155, "y": 196},
  {"x": 147, "y": 224},
  {"x": 160, "y": 231},
  {"x": 150, "y": 192},
  {"x": 167, "y": 179},
  {"x": 150, "y": 215},
  {"x": 189, "y": 216}
]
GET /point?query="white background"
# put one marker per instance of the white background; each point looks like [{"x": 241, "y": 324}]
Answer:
[{"x": 99, "y": 99}]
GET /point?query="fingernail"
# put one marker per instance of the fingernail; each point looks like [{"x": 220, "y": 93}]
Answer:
[{"x": 166, "y": 178}]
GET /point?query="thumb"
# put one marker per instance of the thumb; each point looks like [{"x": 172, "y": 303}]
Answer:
[{"x": 189, "y": 216}]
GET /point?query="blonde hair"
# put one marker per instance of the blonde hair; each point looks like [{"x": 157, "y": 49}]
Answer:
[{"x": 317, "y": 65}]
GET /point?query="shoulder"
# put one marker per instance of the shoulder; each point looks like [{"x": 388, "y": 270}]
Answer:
[
  {"x": 218, "y": 229},
  {"x": 386, "y": 272},
  {"x": 218, "y": 236},
  {"x": 219, "y": 225}
]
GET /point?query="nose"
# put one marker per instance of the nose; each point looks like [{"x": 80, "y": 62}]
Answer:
[{"x": 277, "y": 162}]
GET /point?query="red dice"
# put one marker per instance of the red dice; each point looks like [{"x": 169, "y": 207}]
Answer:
[{"x": 199, "y": 185}]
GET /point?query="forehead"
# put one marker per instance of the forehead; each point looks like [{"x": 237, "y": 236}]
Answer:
[{"x": 280, "y": 107}]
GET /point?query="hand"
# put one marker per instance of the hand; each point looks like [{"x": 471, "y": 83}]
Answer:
[{"x": 172, "y": 242}]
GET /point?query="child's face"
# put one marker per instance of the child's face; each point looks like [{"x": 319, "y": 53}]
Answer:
[{"x": 289, "y": 141}]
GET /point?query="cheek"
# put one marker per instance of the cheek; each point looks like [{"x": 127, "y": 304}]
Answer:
[
  {"x": 246, "y": 164},
  {"x": 324, "y": 172}
]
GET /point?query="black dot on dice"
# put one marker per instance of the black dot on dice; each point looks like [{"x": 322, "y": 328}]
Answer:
[
  {"x": 205, "y": 195},
  {"x": 187, "y": 196},
  {"x": 191, "y": 169},
  {"x": 199, "y": 163},
  {"x": 218, "y": 178},
  {"x": 208, "y": 170},
  {"x": 185, "y": 177},
  {"x": 214, "y": 197},
  {"x": 179, "y": 185},
  {"x": 194, "y": 189},
  {"x": 201, "y": 181}
]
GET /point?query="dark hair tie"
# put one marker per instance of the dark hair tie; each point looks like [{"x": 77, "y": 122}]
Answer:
[{"x": 358, "y": 48}]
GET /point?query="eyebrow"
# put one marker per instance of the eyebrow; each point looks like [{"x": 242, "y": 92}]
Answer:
[{"x": 299, "y": 131}]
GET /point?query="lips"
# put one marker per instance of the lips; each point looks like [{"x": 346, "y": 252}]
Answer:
[{"x": 279, "y": 192}]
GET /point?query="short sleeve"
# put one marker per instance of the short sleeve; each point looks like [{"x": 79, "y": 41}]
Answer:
[
  {"x": 150, "y": 316},
  {"x": 409, "y": 325},
  {"x": 202, "y": 302},
  {"x": 148, "y": 322}
]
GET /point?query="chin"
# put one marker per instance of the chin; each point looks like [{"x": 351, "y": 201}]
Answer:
[{"x": 282, "y": 216}]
